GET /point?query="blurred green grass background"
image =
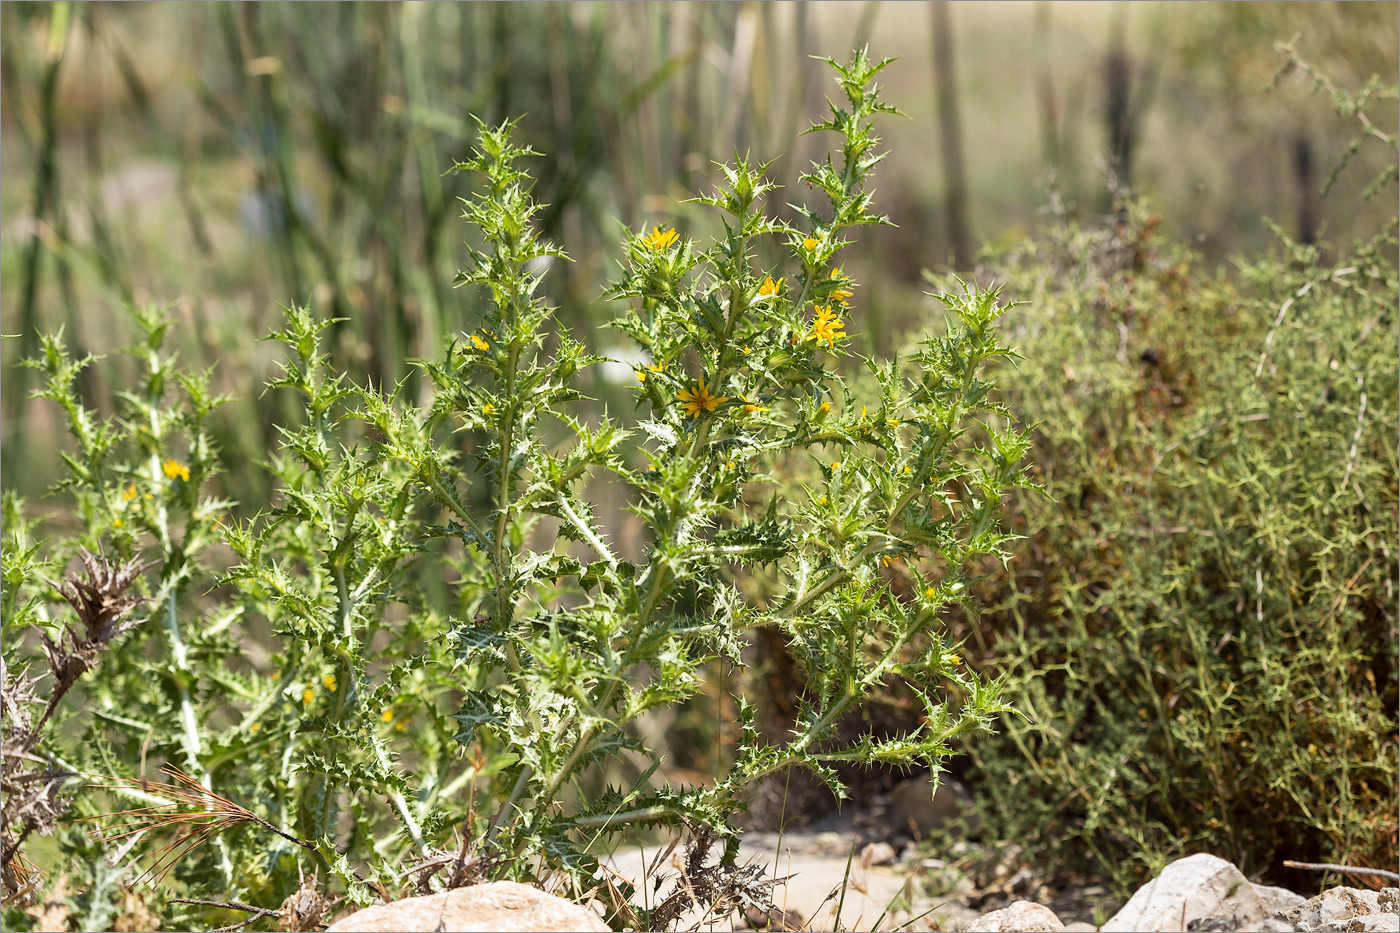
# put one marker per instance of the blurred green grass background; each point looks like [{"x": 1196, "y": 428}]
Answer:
[{"x": 227, "y": 159}]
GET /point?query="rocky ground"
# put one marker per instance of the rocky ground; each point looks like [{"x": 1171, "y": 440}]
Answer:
[{"x": 860, "y": 870}]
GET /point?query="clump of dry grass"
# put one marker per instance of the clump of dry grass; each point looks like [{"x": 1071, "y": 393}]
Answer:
[{"x": 192, "y": 811}]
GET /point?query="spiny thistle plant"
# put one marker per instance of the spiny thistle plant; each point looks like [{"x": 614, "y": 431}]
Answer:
[
  {"x": 385, "y": 727},
  {"x": 564, "y": 647}
]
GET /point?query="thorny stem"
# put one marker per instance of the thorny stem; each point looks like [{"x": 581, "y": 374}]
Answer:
[{"x": 588, "y": 535}]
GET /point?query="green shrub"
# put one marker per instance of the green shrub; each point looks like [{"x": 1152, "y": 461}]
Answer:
[
  {"x": 1202, "y": 631},
  {"x": 379, "y": 740}
]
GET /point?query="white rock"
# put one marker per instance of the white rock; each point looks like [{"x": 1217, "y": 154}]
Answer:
[
  {"x": 1275, "y": 900},
  {"x": 1021, "y": 916},
  {"x": 919, "y": 806},
  {"x": 1331, "y": 909},
  {"x": 1192, "y": 888},
  {"x": 877, "y": 853},
  {"x": 1372, "y": 922},
  {"x": 499, "y": 906},
  {"x": 1389, "y": 900},
  {"x": 1079, "y": 926}
]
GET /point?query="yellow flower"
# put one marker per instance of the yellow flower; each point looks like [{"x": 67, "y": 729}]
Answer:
[
  {"x": 769, "y": 288},
  {"x": 174, "y": 469},
  {"x": 329, "y": 681},
  {"x": 954, "y": 659},
  {"x": 930, "y": 593},
  {"x": 308, "y": 695},
  {"x": 836, "y": 465},
  {"x": 116, "y": 523},
  {"x": 652, "y": 367},
  {"x": 255, "y": 727},
  {"x": 387, "y": 715},
  {"x": 130, "y": 493},
  {"x": 488, "y": 409},
  {"x": 699, "y": 399},
  {"x": 828, "y": 326},
  {"x": 401, "y": 725},
  {"x": 750, "y": 406},
  {"x": 841, "y": 294},
  {"x": 479, "y": 343},
  {"x": 809, "y": 244},
  {"x": 826, "y": 407},
  {"x": 659, "y": 240}
]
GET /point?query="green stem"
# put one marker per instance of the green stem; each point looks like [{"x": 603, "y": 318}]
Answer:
[{"x": 607, "y": 821}]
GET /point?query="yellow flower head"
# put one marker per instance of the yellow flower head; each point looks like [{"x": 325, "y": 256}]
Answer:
[
  {"x": 329, "y": 681},
  {"x": 699, "y": 399},
  {"x": 769, "y": 288},
  {"x": 479, "y": 343},
  {"x": 750, "y": 406},
  {"x": 954, "y": 659},
  {"x": 130, "y": 493},
  {"x": 174, "y": 469},
  {"x": 658, "y": 240},
  {"x": 809, "y": 244},
  {"x": 653, "y": 367},
  {"x": 387, "y": 715},
  {"x": 840, "y": 294},
  {"x": 401, "y": 725},
  {"x": 488, "y": 409},
  {"x": 828, "y": 326},
  {"x": 308, "y": 695}
]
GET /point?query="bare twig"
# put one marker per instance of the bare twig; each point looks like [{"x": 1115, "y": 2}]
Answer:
[
  {"x": 1347, "y": 869},
  {"x": 257, "y": 912},
  {"x": 1356, "y": 438}
]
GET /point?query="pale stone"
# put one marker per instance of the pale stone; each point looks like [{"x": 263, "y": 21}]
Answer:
[
  {"x": 503, "y": 906},
  {"x": 1332, "y": 908},
  {"x": 1079, "y": 926},
  {"x": 1276, "y": 900},
  {"x": 1020, "y": 916},
  {"x": 1372, "y": 923},
  {"x": 1194, "y": 888},
  {"x": 1388, "y": 900},
  {"x": 917, "y": 805},
  {"x": 877, "y": 853}
]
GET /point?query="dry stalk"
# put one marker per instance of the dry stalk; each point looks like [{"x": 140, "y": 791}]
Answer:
[{"x": 31, "y": 800}]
